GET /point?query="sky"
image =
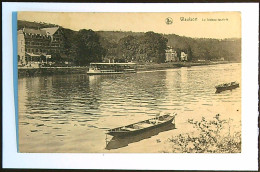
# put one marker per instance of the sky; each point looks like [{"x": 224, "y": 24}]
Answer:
[{"x": 217, "y": 25}]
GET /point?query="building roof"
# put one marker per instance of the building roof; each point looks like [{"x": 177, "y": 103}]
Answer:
[
  {"x": 34, "y": 31},
  {"x": 43, "y": 31},
  {"x": 50, "y": 31},
  {"x": 33, "y": 55},
  {"x": 170, "y": 51}
]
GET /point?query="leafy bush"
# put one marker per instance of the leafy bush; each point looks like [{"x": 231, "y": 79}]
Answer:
[{"x": 211, "y": 138}]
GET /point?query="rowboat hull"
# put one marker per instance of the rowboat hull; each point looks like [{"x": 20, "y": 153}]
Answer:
[
  {"x": 231, "y": 87},
  {"x": 119, "y": 142},
  {"x": 131, "y": 130}
]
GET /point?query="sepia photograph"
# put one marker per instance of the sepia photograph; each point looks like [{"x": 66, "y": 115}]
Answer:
[{"x": 129, "y": 82}]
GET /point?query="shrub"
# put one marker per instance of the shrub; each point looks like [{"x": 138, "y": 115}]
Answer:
[{"x": 211, "y": 138}]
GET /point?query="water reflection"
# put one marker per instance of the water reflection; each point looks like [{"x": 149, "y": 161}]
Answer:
[
  {"x": 72, "y": 106},
  {"x": 94, "y": 80},
  {"x": 119, "y": 142}
]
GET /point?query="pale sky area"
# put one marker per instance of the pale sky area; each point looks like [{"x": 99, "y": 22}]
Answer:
[{"x": 228, "y": 24}]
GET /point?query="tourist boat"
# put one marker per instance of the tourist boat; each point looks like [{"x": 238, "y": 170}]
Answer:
[
  {"x": 111, "y": 68},
  {"x": 226, "y": 86},
  {"x": 142, "y": 125}
]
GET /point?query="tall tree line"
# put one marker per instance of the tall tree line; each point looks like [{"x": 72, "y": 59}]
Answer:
[
  {"x": 85, "y": 46},
  {"x": 149, "y": 47}
]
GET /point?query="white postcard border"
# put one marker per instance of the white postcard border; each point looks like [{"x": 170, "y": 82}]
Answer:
[{"x": 247, "y": 160}]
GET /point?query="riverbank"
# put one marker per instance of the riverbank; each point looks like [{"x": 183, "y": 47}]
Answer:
[
  {"x": 46, "y": 71},
  {"x": 170, "y": 65}
]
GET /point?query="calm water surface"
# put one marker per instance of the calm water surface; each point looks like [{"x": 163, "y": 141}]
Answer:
[{"x": 71, "y": 113}]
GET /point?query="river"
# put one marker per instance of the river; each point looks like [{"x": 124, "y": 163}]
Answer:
[{"x": 71, "y": 113}]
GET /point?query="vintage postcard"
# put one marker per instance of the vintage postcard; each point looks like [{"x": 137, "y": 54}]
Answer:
[{"x": 129, "y": 82}]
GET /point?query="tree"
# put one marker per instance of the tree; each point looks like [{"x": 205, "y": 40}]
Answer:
[
  {"x": 149, "y": 47},
  {"x": 127, "y": 48},
  {"x": 111, "y": 48},
  {"x": 155, "y": 45},
  {"x": 189, "y": 52},
  {"x": 87, "y": 47}
]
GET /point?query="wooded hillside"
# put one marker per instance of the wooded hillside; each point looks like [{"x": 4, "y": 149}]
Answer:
[{"x": 138, "y": 46}]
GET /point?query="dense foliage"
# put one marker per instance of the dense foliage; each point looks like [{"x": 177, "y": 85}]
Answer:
[
  {"x": 33, "y": 25},
  {"x": 206, "y": 48},
  {"x": 196, "y": 48},
  {"x": 85, "y": 46},
  {"x": 149, "y": 47},
  {"x": 214, "y": 137}
]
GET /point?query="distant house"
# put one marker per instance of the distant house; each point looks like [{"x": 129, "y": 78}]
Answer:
[
  {"x": 222, "y": 59},
  {"x": 184, "y": 56},
  {"x": 171, "y": 55},
  {"x": 35, "y": 46}
]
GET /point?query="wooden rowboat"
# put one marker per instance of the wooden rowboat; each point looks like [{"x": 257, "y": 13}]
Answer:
[
  {"x": 226, "y": 86},
  {"x": 142, "y": 125}
]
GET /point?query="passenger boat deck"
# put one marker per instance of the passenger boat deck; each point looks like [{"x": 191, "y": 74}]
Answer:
[{"x": 111, "y": 68}]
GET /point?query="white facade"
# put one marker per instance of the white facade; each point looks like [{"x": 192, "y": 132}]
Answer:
[
  {"x": 171, "y": 55},
  {"x": 184, "y": 56},
  {"x": 20, "y": 47}
]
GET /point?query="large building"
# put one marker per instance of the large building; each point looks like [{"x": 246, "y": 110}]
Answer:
[
  {"x": 21, "y": 47},
  {"x": 35, "y": 46},
  {"x": 171, "y": 55}
]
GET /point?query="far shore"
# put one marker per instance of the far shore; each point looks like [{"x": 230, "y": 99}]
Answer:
[
  {"x": 171, "y": 65},
  {"x": 43, "y": 71}
]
